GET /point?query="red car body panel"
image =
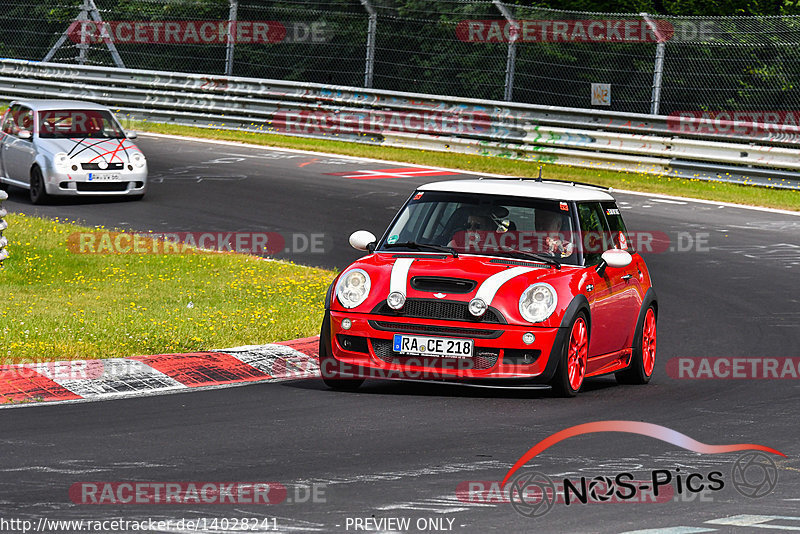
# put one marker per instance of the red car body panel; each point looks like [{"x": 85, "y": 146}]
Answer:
[{"x": 615, "y": 299}]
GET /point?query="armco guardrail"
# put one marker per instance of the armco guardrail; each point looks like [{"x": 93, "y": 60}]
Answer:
[
  {"x": 577, "y": 137},
  {"x": 3, "y": 226}
]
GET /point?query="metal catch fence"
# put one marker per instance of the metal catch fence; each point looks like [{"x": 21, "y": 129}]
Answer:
[{"x": 627, "y": 62}]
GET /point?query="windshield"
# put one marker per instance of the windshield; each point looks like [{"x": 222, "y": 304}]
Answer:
[
  {"x": 490, "y": 225},
  {"x": 82, "y": 123}
]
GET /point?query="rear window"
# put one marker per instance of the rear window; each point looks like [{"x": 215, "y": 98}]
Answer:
[{"x": 81, "y": 123}]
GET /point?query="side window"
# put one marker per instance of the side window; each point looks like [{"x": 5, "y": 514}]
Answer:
[
  {"x": 619, "y": 236},
  {"x": 594, "y": 232},
  {"x": 24, "y": 120},
  {"x": 9, "y": 126}
]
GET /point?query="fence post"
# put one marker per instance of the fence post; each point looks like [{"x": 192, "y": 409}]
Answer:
[
  {"x": 372, "y": 29},
  {"x": 89, "y": 8},
  {"x": 3, "y": 226},
  {"x": 511, "y": 59},
  {"x": 83, "y": 46},
  {"x": 231, "y": 39},
  {"x": 658, "y": 67}
]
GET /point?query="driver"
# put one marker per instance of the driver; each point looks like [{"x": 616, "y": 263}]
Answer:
[{"x": 552, "y": 226}]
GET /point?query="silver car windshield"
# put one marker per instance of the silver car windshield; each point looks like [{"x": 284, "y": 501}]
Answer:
[
  {"x": 477, "y": 224},
  {"x": 78, "y": 123}
]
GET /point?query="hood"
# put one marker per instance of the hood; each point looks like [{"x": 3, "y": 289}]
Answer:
[
  {"x": 90, "y": 150},
  {"x": 497, "y": 281}
]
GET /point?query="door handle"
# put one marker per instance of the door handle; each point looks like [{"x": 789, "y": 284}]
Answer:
[{"x": 627, "y": 276}]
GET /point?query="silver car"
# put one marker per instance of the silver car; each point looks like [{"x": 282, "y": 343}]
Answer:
[{"x": 67, "y": 147}]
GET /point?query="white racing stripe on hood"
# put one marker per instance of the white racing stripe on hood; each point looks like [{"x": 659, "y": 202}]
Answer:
[
  {"x": 492, "y": 285},
  {"x": 399, "y": 280}
]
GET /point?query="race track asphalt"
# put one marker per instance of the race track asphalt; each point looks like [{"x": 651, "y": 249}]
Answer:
[{"x": 401, "y": 450}]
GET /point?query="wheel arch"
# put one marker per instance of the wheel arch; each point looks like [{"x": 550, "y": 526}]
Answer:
[{"x": 578, "y": 304}]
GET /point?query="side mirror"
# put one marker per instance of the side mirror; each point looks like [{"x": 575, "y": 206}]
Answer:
[
  {"x": 614, "y": 258},
  {"x": 362, "y": 239},
  {"x": 131, "y": 135},
  {"x": 25, "y": 134}
]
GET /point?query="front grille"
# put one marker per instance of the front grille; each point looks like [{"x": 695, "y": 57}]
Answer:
[
  {"x": 96, "y": 167},
  {"x": 481, "y": 360},
  {"x": 440, "y": 284},
  {"x": 447, "y": 310},
  {"x": 423, "y": 329},
  {"x": 105, "y": 187}
]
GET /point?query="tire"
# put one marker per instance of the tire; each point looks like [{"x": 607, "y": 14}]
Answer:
[
  {"x": 329, "y": 365},
  {"x": 643, "y": 359},
  {"x": 38, "y": 192},
  {"x": 571, "y": 371}
]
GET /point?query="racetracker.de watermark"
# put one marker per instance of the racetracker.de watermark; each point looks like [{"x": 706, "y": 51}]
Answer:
[
  {"x": 197, "y": 32},
  {"x": 735, "y": 123},
  {"x": 256, "y": 243},
  {"x": 733, "y": 368},
  {"x": 195, "y": 492}
]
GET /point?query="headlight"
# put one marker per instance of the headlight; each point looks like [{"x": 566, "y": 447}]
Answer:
[
  {"x": 137, "y": 160},
  {"x": 353, "y": 288},
  {"x": 538, "y": 302},
  {"x": 61, "y": 160}
]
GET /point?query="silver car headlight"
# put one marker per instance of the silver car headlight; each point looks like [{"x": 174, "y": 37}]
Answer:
[
  {"x": 353, "y": 288},
  {"x": 137, "y": 160},
  {"x": 538, "y": 302},
  {"x": 61, "y": 160}
]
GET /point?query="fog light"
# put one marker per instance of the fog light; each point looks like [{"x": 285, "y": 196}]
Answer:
[
  {"x": 477, "y": 307},
  {"x": 528, "y": 338},
  {"x": 395, "y": 300},
  {"x": 346, "y": 324}
]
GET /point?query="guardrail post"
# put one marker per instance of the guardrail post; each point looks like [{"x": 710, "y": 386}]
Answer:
[
  {"x": 658, "y": 67},
  {"x": 3, "y": 226},
  {"x": 511, "y": 59},
  {"x": 372, "y": 30},
  {"x": 231, "y": 40}
]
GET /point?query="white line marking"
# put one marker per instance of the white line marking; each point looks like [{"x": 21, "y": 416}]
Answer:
[
  {"x": 462, "y": 171},
  {"x": 668, "y": 201},
  {"x": 756, "y": 521},
  {"x": 670, "y": 530}
]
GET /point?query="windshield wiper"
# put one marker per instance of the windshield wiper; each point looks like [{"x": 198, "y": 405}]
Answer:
[
  {"x": 423, "y": 246},
  {"x": 541, "y": 257}
]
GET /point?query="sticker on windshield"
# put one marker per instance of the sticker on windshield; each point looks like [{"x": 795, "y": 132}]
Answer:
[
  {"x": 623, "y": 243},
  {"x": 612, "y": 211},
  {"x": 564, "y": 206},
  {"x": 418, "y": 196},
  {"x": 393, "y": 239}
]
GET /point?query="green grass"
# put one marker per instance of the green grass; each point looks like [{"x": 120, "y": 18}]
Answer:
[
  {"x": 60, "y": 305},
  {"x": 739, "y": 194}
]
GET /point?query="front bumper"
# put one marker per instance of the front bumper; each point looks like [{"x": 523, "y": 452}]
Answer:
[
  {"x": 83, "y": 183},
  {"x": 366, "y": 349}
]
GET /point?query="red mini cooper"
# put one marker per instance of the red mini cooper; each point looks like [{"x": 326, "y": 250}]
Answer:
[{"x": 494, "y": 279}]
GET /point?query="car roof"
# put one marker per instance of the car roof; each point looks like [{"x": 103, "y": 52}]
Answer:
[
  {"x": 40, "y": 105},
  {"x": 522, "y": 188}
]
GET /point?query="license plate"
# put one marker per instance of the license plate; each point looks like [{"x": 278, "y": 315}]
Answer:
[
  {"x": 102, "y": 177},
  {"x": 433, "y": 346}
]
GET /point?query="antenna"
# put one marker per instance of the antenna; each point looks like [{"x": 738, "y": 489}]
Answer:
[{"x": 539, "y": 179}]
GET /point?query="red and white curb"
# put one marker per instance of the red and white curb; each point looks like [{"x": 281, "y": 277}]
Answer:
[{"x": 26, "y": 384}]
